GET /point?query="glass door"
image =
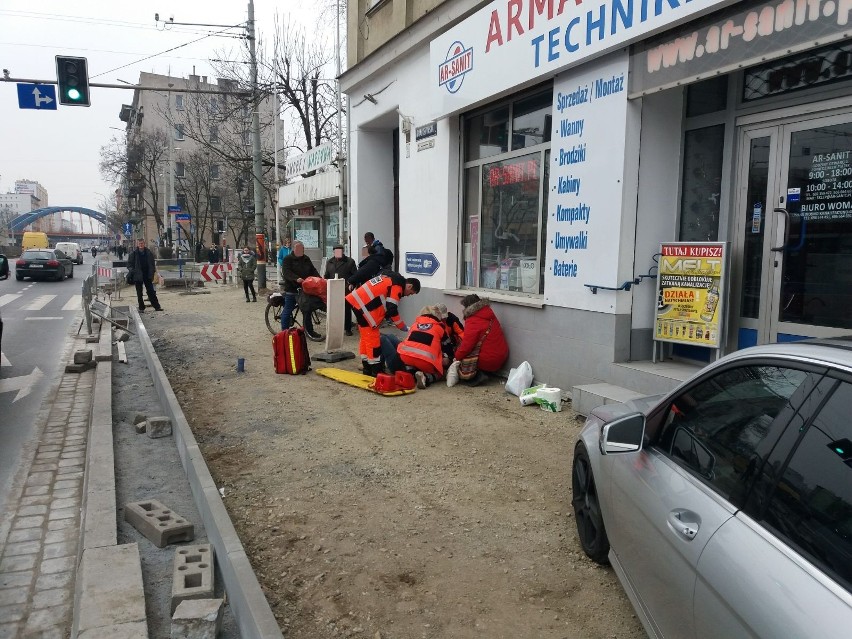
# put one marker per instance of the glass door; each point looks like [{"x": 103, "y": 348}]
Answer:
[{"x": 795, "y": 230}]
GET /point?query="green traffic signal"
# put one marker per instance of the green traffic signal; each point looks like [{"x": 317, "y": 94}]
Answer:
[{"x": 72, "y": 76}]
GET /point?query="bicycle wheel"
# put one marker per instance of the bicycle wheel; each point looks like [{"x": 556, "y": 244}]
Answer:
[{"x": 273, "y": 318}]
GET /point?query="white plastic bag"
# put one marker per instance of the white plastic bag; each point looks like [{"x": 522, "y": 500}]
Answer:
[{"x": 519, "y": 378}]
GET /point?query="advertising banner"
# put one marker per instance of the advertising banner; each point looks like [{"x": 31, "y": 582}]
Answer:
[
  {"x": 508, "y": 43},
  {"x": 691, "y": 283},
  {"x": 585, "y": 191}
]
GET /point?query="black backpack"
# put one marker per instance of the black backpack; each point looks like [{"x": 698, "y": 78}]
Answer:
[{"x": 387, "y": 256}]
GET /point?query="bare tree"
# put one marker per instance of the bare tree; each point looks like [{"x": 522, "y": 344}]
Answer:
[{"x": 139, "y": 164}]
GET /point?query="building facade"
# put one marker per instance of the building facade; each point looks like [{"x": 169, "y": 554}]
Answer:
[
  {"x": 199, "y": 177},
  {"x": 542, "y": 152}
]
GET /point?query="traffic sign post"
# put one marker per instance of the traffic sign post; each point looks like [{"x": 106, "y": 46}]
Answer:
[{"x": 37, "y": 96}]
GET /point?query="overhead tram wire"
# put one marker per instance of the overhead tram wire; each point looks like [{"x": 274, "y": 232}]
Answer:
[
  {"x": 94, "y": 21},
  {"x": 154, "y": 55}
]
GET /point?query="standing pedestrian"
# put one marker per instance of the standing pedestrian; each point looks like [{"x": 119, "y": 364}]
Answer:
[
  {"x": 246, "y": 267},
  {"x": 213, "y": 254},
  {"x": 142, "y": 265},
  {"x": 283, "y": 252},
  {"x": 343, "y": 267}
]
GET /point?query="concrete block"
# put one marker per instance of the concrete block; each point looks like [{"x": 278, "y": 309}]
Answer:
[
  {"x": 192, "y": 575},
  {"x": 79, "y": 368},
  {"x": 83, "y": 357},
  {"x": 158, "y": 523},
  {"x": 159, "y": 427},
  {"x": 197, "y": 619},
  {"x": 92, "y": 339},
  {"x": 109, "y": 592}
]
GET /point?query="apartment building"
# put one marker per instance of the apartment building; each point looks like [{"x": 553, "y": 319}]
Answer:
[
  {"x": 638, "y": 187},
  {"x": 190, "y": 177}
]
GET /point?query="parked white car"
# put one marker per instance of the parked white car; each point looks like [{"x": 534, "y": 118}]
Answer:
[{"x": 72, "y": 250}]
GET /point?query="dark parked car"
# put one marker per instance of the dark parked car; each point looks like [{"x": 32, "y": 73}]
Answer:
[
  {"x": 44, "y": 263},
  {"x": 725, "y": 507}
]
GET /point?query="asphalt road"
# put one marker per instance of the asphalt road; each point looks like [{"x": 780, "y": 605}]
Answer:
[{"x": 38, "y": 319}]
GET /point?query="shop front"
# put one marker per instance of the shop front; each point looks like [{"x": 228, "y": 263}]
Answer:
[{"x": 574, "y": 141}]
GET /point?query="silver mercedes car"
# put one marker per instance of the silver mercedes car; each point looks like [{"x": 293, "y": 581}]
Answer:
[{"x": 725, "y": 507}]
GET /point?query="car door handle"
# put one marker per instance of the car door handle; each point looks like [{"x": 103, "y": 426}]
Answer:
[{"x": 685, "y": 523}]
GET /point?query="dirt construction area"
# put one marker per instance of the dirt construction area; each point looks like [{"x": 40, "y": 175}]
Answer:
[{"x": 446, "y": 513}]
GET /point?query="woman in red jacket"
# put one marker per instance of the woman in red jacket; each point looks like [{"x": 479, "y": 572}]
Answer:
[{"x": 483, "y": 348}]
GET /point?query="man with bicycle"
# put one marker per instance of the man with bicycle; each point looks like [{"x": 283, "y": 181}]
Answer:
[{"x": 294, "y": 269}]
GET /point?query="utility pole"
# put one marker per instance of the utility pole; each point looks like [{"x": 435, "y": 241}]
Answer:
[
  {"x": 340, "y": 160},
  {"x": 259, "y": 221}
]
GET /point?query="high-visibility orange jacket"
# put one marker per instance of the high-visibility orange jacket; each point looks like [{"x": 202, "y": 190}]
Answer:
[
  {"x": 379, "y": 298},
  {"x": 422, "y": 347}
]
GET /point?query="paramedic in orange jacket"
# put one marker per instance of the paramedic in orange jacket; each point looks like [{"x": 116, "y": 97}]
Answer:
[
  {"x": 372, "y": 302},
  {"x": 422, "y": 349}
]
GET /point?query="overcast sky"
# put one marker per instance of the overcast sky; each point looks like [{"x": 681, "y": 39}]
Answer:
[{"x": 61, "y": 149}]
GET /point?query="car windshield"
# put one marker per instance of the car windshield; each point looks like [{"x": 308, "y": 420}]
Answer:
[{"x": 38, "y": 255}]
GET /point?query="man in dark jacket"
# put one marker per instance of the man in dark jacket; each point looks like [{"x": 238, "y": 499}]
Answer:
[
  {"x": 294, "y": 269},
  {"x": 343, "y": 267},
  {"x": 368, "y": 268},
  {"x": 213, "y": 254},
  {"x": 141, "y": 263}
]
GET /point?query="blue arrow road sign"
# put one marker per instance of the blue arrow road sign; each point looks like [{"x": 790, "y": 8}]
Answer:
[
  {"x": 421, "y": 263},
  {"x": 37, "y": 96},
  {"x": 128, "y": 228}
]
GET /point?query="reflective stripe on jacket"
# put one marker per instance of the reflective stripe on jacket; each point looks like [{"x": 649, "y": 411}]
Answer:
[
  {"x": 379, "y": 298},
  {"x": 423, "y": 344}
]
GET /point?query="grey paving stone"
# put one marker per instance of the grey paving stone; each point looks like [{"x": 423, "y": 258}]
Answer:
[
  {"x": 63, "y": 513},
  {"x": 46, "y": 455},
  {"x": 74, "y": 469},
  {"x": 22, "y": 548},
  {"x": 21, "y": 579},
  {"x": 56, "y": 580},
  {"x": 18, "y": 562},
  {"x": 29, "y": 522},
  {"x": 61, "y": 524},
  {"x": 42, "y": 468},
  {"x": 67, "y": 483},
  {"x": 49, "y": 448},
  {"x": 45, "y": 618},
  {"x": 25, "y": 534},
  {"x": 58, "y": 536},
  {"x": 69, "y": 502},
  {"x": 53, "y": 597},
  {"x": 36, "y": 490},
  {"x": 54, "y": 632},
  {"x": 73, "y": 454},
  {"x": 11, "y": 596},
  {"x": 67, "y": 463},
  {"x": 39, "y": 479},
  {"x": 28, "y": 511},
  {"x": 61, "y": 549},
  {"x": 66, "y": 493},
  {"x": 9, "y": 630},
  {"x": 15, "y": 612},
  {"x": 36, "y": 500},
  {"x": 52, "y": 566}
]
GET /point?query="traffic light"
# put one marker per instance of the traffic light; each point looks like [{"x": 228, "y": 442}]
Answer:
[{"x": 72, "y": 76}]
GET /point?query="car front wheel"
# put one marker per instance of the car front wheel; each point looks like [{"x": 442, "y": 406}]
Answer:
[{"x": 587, "y": 509}]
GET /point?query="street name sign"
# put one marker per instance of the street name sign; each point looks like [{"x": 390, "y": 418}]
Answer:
[
  {"x": 421, "y": 263},
  {"x": 37, "y": 96}
]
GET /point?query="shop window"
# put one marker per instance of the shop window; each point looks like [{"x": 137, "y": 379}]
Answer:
[
  {"x": 505, "y": 199},
  {"x": 488, "y": 134},
  {"x": 531, "y": 121},
  {"x": 706, "y": 97},
  {"x": 702, "y": 184}
]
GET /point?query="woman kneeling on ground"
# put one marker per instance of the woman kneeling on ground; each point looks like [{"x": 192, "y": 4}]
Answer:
[{"x": 483, "y": 348}]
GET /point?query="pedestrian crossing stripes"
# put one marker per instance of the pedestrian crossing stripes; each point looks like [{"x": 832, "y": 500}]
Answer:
[
  {"x": 12, "y": 302},
  {"x": 9, "y": 297},
  {"x": 39, "y": 302}
]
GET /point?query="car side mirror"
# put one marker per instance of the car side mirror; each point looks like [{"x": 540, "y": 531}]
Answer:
[{"x": 624, "y": 435}]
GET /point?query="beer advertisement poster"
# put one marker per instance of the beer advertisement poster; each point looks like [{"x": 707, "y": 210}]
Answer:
[{"x": 690, "y": 291}]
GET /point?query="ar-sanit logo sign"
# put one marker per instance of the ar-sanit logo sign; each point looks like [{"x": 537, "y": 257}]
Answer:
[{"x": 458, "y": 63}]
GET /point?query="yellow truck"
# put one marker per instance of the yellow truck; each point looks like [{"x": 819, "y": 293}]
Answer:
[{"x": 34, "y": 239}]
